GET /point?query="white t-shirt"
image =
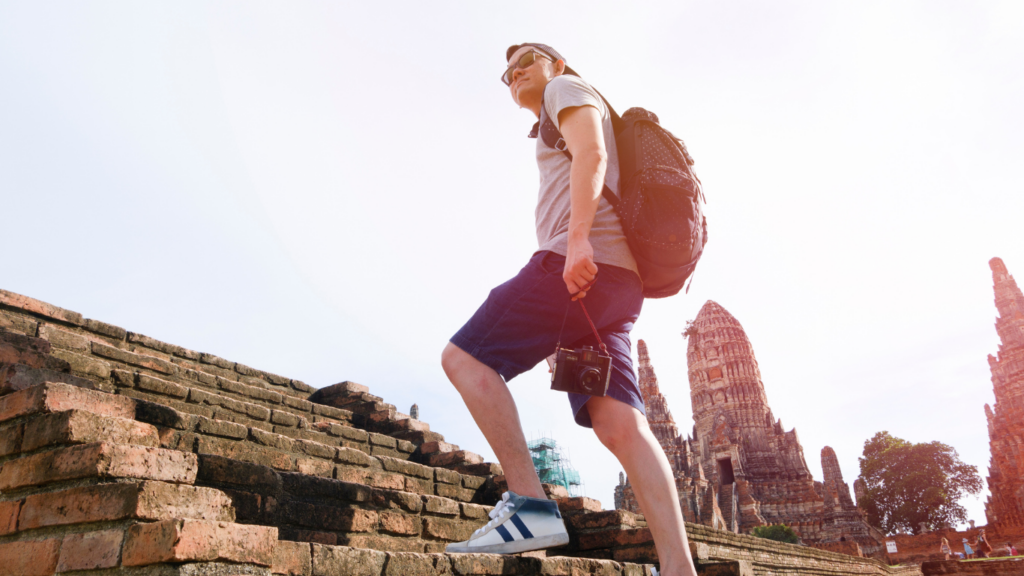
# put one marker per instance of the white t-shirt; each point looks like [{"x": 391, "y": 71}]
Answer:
[{"x": 553, "y": 201}]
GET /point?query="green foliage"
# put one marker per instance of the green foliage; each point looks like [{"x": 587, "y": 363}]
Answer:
[
  {"x": 777, "y": 532},
  {"x": 906, "y": 484}
]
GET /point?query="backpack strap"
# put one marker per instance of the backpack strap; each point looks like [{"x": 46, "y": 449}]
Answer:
[{"x": 552, "y": 138}]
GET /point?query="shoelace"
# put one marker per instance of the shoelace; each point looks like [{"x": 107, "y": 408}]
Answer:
[{"x": 497, "y": 514}]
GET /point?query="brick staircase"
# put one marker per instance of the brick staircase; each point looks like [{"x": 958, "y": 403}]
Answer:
[{"x": 120, "y": 454}]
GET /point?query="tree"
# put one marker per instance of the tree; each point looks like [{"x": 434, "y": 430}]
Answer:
[
  {"x": 906, "y": 484},
  {"x": 777, "y": 532}
]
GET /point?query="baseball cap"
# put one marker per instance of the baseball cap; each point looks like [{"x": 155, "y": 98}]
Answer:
[{"x": 542, "y": 48}]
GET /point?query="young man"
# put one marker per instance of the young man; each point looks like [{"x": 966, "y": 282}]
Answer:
[{"x": 583, "y": 252}]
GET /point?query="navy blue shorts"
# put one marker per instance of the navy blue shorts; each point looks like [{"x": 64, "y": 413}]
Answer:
[{"x": 517, "y": 326}]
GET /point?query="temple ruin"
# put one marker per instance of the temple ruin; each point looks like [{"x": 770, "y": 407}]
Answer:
[
  {"x": 1005, "y": 507},
  {"x": 122, "y": 455},
  {"x": 739, "y": 468}
]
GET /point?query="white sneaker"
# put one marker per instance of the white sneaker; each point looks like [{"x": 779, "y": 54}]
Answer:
[{"x": 518, "y": 524}]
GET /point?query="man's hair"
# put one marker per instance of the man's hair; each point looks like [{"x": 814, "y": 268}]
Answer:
[{"x": 542, "y": 48}]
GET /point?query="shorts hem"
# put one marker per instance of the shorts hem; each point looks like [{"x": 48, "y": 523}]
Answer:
[{"x": 471, "y": 348}]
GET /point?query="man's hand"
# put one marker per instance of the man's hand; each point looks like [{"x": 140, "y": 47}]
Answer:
[{"x": 580, "y": 269}]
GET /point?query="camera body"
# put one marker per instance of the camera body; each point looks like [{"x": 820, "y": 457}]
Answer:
[{"x": 583, "y": 371}]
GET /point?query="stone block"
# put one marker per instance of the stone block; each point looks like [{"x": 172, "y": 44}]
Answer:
[
  {"x": 123, "y": 378},
  {"x": 733, "y": 568},
  {"x": 324, "y": 517},
  {"x": 11, "y": 438},
  {"x": 485, "y": 565},
  {"x": 447, "y": 476},
  {"x": 396, "y": 500},
  {"x": 64, "y": 338},
  {"x": 15, "y": 377},
  {"x": 284, "y": 418},
  {"x": 448, "y": 529},
  {"x": 562, "y": 566},
  {"x": 398, "y": 523},
  {"x": 9, "y": 511},
  {"x": 412, "y": 564},
  {"x": 454, "y": 492},
  {"x": 313, "y": 487},
  {"x": 84, "y": 365},
  {"x": 315, "y": 449},
  {"x": 370, "y": 477},
  {"x": 277, "y": 441},
  {"x": 108, "y": 502},
  {"x": 159, "y": 346},
  {"x": 246, "y": 504},
  {"x": 442, "y": 506},
  {"x": 314, "y": 467},
  {"x": 480, "y": 469},
  {"x": 335, "y": 560},
  {"x": 298, "y": 404},
  {"x": 475, "y": 511},
  {"x": 310, "y": 536},
  {"x": 142, "y": 361},
  {"x": 160, "y": 415},
  {"x": 108, "y": 330},
  {"x": 382, "y": 542},
  {"x": 450, "y": 459},
  {"x": 52, "y": 397},
  {"x": 98, "y": 461},
  {"x": 292, "y": 559},
  {"x": 163, "y": 387},
  {"x": 355, "y": 458},
  {"x": 406, "y": 467},
  {"x": 29, "y": 557},
  {"x": 90, "y": 550},
  {"x": 19, "y": 324},
  {"x": 34, "y": 306},
  {"x": 578, "y": 504},
  {"x": 604, "y": 519},
  {"x": 77, "y": 427},
  {"x": 614, "y": 538},
  {"x": 475, "y": 482},
  {"x": 216, "y": 361},
  {"x": 418, "y": 485},
  {"x": 244, "y": 451},
  {"x": 192, "y": 540},
  {"x": 221, "y": 428},
  {"x": 349, "y": 433},
  {"x": 382, "y": 440}
]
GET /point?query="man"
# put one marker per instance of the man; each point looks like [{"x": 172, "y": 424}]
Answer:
[{"x": 583, "y": 253}]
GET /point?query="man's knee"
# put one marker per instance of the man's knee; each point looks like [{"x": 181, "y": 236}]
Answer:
[
  {"x": 451, "y": 358},
  {"x": 617, "y": 433}
]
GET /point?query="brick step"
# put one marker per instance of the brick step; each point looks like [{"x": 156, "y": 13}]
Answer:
[
  {"x": 326, "y": 560},
  {"x": 364, "y": 507},
  {"x": 171, "y": 547}
]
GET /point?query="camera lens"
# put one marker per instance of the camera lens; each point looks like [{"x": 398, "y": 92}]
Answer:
[{"x": 590, "y": 379}]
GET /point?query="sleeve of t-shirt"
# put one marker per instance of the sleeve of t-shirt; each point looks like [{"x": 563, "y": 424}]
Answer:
[{"x": 567, "y": 91}]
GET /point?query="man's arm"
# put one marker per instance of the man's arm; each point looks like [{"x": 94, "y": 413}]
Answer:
[{"x": 581, "y": 128}]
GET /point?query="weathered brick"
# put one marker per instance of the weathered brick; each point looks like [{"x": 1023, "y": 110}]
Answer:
[
  {"x": 413, "y": 564},
  {"x": 216, "y": 361},
  {"x": 418, "y": 485},
  {"x": 481, "y": 469},
  {"x": 160, "y": 415},
  {"x": 614, "y": 538},
  {"x": 580, "y": 503},
  {"x": 486, "y": 564},
  {"x": 59, "y": 397},
  {"x": 382, "y": 440},
  {"x": 325, "y": 517},
  {"x": 302, "y": 386},
  {"x": 221, "y": 428},
  {"x": 277, "y": 441},
  {"x": 446, "y": 529},
  {"x": 454, "y": 492},
  {"x": 398, "y": 523},
  {"x": 192, "y": 540},
  {"x": 41, "y": 308},
  {"x": 386, "y": 499},
  {"x": 443, "y": 506},
  {"x": 245, "y": 452},
  {"x": 150, "y": 362},
  {"x": 90, "y": 550},
  {"x": 604, "y": 519},
  {"x": 9, "y": 511},
  {"x": 303, "y": 486},
  {"x": 19, "y": 324},
  {"x": 77, "y": 427},
  {"x": 292, "y": 559},
  {"x": 109, "y": 330},
  {"x": 474, "y": 482},
  {"x": 334, "y": 560},
  {"x": 107, "y": 502},
  {"x": 298, "y": 404},
  {"x": 447, "y": 476},
  {"x": 450, "y": 459},
  {"x": 84, "y": 365},
  {"x": 316, "y": 449},
  {"x": 99, "y": 461},
  {"x": 218, "y": 470},
  {"x": 159, "y": 386},
  {"x": 284, "y": 418},
  {"x": 314, "y": 467},
  {"x": 474, "y": 511},
  {"x": 161, "y": 346},
  {"x": 382, "y": 542},
  {"x": 349, "y": 433},
  {"x": 64, "y": 338},
  {"x": 123, "y": 378},
  {"x": 355, "y": 457},
  {"x": 374, "y": 478},
  {"x": 29, "y": 557},
  {"x": 405, "y": 467},
  {"x": 11, "y": 438}
]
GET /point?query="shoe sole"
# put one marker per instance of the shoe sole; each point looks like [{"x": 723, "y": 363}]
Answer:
[{"x": 514, "y": 547}]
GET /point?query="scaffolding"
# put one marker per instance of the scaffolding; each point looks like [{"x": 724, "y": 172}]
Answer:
[{"x": 553, "y": 466}]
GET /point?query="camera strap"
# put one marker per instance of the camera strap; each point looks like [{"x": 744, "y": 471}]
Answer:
[{"x": 600, "y": 343}]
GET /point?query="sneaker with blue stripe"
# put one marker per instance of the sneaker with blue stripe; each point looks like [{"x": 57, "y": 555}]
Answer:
[{"x": 518, "y": 524}]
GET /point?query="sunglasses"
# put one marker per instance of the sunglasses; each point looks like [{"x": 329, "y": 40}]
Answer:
[{"x": 525, "y": 61}]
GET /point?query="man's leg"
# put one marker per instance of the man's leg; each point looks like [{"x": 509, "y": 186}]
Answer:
[
  {"x": 624, "y": 431},
  {"x": 494, "y": 410}
]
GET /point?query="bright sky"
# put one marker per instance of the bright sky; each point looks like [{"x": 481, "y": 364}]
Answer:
[{"x": 328, "y": 191}]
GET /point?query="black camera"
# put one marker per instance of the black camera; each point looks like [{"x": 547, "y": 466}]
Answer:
[{"x": 583, "y": 371}]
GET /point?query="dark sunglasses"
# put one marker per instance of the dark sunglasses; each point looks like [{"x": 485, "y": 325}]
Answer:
[{"x": 524, "y": 61}]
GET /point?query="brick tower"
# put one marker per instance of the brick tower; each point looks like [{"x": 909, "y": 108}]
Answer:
[
  {"x": 1005, "y": 507},
  {"x": 743, "y": 448}
]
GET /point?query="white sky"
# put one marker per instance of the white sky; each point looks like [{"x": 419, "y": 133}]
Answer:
[{"x": 328, "y": 190}]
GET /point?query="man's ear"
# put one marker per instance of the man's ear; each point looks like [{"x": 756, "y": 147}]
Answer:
[{"x": 559, "y": 67}]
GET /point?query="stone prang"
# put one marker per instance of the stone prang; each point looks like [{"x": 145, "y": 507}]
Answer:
[{"x": 1005, "y": 507}]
